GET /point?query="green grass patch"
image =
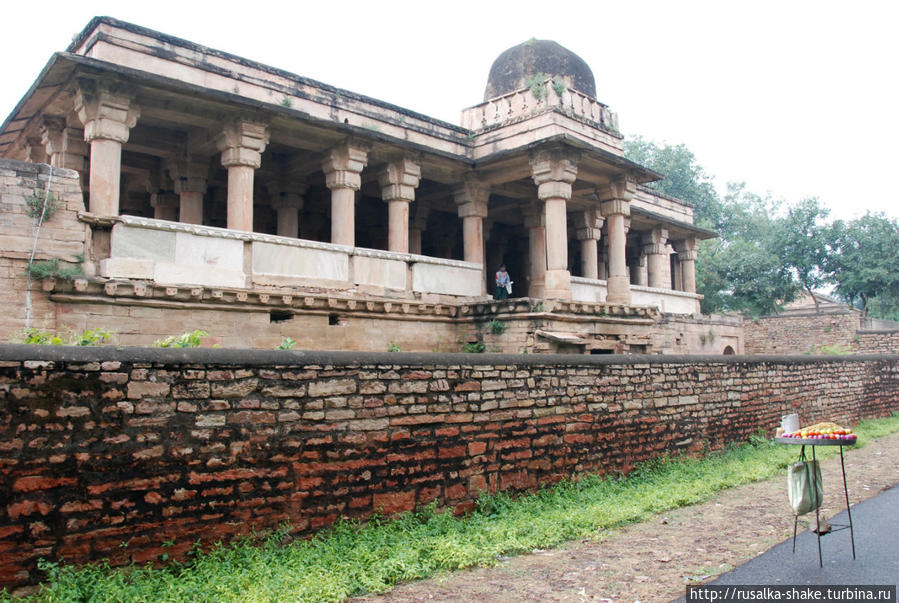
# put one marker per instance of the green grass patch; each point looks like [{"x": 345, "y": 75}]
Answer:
[{"x": 353, "y": 558}]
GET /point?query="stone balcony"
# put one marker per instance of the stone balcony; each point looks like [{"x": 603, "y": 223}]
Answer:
[{"x": 172, "y": 253}]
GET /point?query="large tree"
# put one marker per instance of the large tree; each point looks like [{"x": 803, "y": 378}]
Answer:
[
  {"x": 804, "y": 243},
  {"x": 863, "y": 265}
]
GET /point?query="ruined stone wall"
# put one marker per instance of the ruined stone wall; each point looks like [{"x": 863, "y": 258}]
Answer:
[
  {"x": 800, "y": 333},
  {"x": 61, "y": 236},
  {"x": 100, "y": 447}
]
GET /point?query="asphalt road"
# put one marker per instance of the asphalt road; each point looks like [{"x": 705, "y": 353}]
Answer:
[{"x": 876, "y": 528}]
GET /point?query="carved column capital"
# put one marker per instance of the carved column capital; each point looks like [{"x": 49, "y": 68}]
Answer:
[
  {"x": 686, "y": 248},
  {"x": 343, "y": 165},
  {"x": 242, "y": 142},
  {"x": 588, "y": 224},
  {"x": 655, "y": 241},
  {"x": 616, "y": 196},
  {"x": 399, "y": 179},
  {"x": 189, "y": 173},
  {"x": 471, "y": 197},
  {"x": 554, "y": 171},
  {"x": 106, "y": 110}
]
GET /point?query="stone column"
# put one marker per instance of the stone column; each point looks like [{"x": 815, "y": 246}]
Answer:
[
  {"x": 418, "y": 225},
  {"x": 165, "y": 206},
  {"x": 107, "y": 114},
  {"x": 471, "y": 199},
  {"x": 686, "y": 255},
  {"x": 616, "y": 208},
  {"x": 241, "y": 143},
  {"x": 36, "y": 150},
  {"x": 588, "y": 226},
  {"x": 189, "y": 175},
  {"x": 553, "y": 173},
  {"x": 638, "y": 271},
  {"x": 655, "y": 246},
  {"x": 533, "y": 221},
  {"x": 64, "y": 145},
  {"x": 398, "y": 183},
  {"x": 471, "y": 205},
  {"x": 287, "y": 201},
  {"x": 343, "y": 176}
]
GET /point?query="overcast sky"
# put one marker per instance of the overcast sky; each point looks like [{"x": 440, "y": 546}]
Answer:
[{"x": 795, "y": 98}]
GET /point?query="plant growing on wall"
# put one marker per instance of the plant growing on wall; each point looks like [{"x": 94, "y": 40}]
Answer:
[
  {"x": 55, "y": 268},
  {"x": 287, "y": 344},
  {"x": 393, "y": 348},
  {"x": 476, "y": 347},
  {"x": 185, "y": 340},
  {"x": 88, "y": 337},
  {"x": 497, "y": 327},
  {"x": 41, "y": 207},
  {"x": 535, "y": 85}
]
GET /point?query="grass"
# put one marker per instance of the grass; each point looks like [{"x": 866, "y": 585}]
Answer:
[{"x": 353, "y": 558}]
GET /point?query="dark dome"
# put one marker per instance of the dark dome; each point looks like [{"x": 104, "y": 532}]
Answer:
[{"x": 512, "y": 68}]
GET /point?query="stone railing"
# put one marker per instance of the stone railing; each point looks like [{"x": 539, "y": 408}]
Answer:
[
  {"x": 524, "y": 102},
  {"x": 666, "y": 300},
  {"x": 171, "y": 253}
]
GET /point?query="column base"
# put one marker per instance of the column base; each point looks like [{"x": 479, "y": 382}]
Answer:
[
  {"x": 619, "y": 290},
  {"x": 557, "y": 284}
]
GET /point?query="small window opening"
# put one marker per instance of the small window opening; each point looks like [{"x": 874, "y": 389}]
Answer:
[
  {"x": 333, "y": 319},
  {"x": 598, "y": 351},
  {"x": 280, "y": 316}
]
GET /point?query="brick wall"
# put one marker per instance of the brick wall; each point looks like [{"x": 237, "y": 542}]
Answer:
[
  {"x": 876, "y": 342},
  {"x": 100, "y": 447},
  {"x": 799, "y": 333}
]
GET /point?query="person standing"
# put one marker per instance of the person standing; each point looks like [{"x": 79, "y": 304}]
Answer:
[{"x": 503, "y": 284}]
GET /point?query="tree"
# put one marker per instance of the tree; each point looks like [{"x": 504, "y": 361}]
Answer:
[
  {"x": 863, "y": 262},
  {"x": 803, "y": 244},
  {"x": 684, "y": 178}
]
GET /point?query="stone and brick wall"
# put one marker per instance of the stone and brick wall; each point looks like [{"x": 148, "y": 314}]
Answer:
[
  {"x": 61, "y": 236},
  {"x": 100, "y": 447},
  {"x": 800, "y": 333}
]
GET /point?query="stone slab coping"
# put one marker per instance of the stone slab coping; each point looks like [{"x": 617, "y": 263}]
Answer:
[{"x": 12, "y": 352}]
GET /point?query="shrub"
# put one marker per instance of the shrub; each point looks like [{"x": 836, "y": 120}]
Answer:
[
  {"x": 477, "y": 347},
  {"x": 287, "y": 344}
]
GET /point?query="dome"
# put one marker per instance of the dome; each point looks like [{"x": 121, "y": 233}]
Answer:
[{"x": 511, "y": 69}]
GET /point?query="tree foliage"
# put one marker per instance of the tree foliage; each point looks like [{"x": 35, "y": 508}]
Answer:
[
  {"x": 768, "y": 251},
  {"x": 862, "y": 263}
]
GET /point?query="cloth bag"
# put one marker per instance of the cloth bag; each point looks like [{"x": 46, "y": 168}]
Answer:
[{"x": 803, "y": 496}]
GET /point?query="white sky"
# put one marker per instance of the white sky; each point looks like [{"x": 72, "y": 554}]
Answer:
[{"x": 797, "y": 98}]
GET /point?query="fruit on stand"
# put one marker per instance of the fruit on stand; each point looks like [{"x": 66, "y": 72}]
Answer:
[{"x": 823, "y": 431}]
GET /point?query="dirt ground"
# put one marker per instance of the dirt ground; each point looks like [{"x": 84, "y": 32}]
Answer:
[{"x": 654, "y": 560}]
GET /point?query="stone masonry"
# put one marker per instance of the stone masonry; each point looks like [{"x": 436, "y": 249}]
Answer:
[{"x": 104, "y": 446}]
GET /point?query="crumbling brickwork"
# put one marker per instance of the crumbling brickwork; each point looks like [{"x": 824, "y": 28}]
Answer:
[{"x": 100, "y": 447}]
